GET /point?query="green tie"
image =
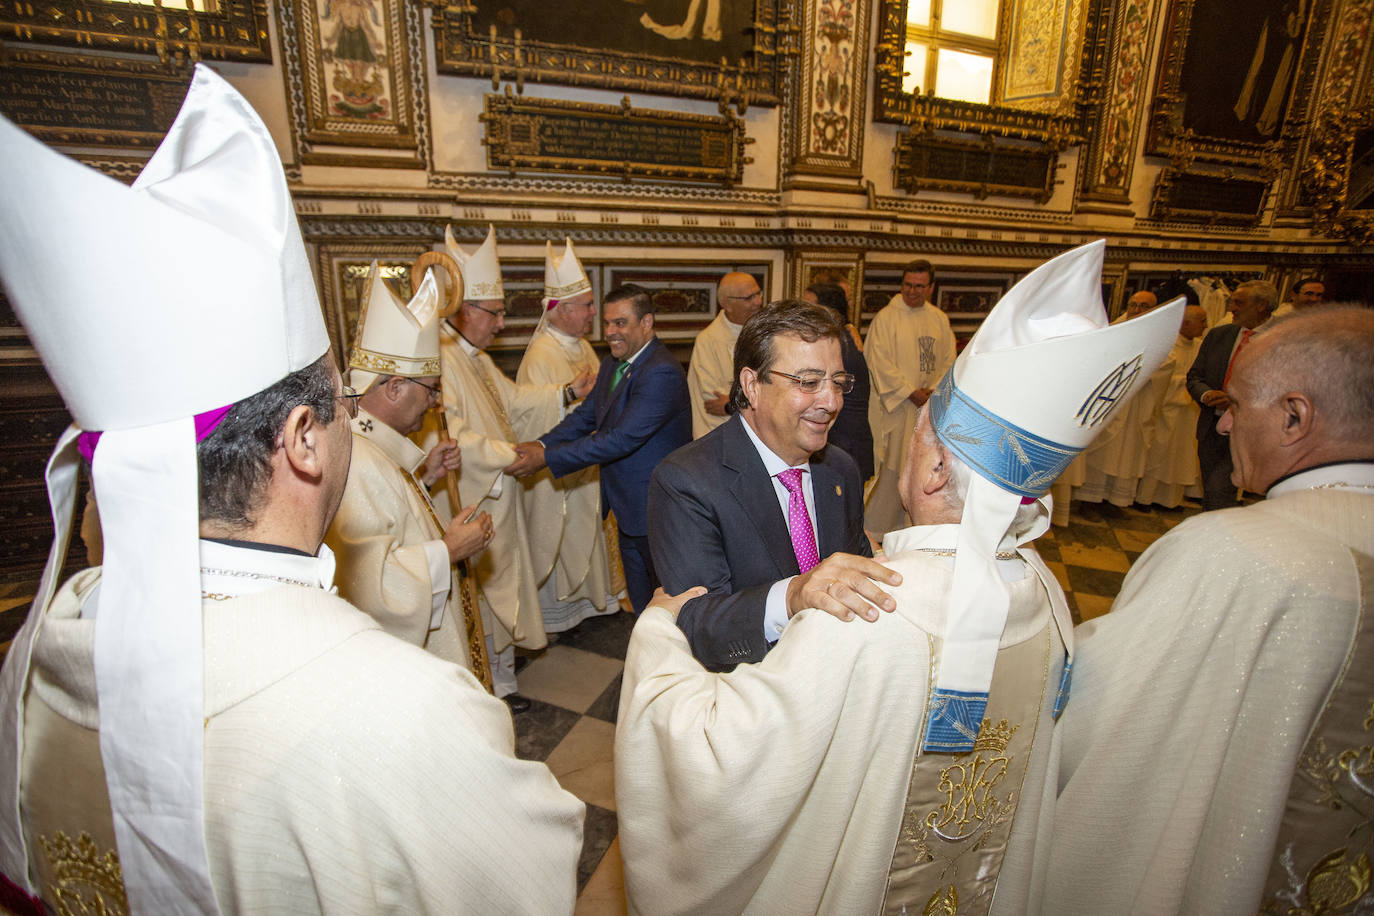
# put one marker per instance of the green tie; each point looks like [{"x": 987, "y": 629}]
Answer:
[{"x": 621, "y": 368}]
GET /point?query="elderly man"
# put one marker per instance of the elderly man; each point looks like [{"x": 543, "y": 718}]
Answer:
[
  {"x": 635, "y": 415},
  {"x": 201, "y": 724},
  {"x": 831, "y": 777},
  {"x": 1250, "y": 306},
  {"x": 709, "y": 376},
  {"x": 1139, "y": 303},
  {"x": 1216, "y": 755},
  {"x": 759, "y": 510},
  {"x": 1171, "y": 468},
  {"x": 908, "y": 348},
  {"x": 395, "y": 560},
  {"x": 487, "y": 415},
  {"x": 563, "y": 515}
]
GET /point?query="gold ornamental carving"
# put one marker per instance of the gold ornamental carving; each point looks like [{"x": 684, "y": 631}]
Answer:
[{"x": 86, "y": 881}]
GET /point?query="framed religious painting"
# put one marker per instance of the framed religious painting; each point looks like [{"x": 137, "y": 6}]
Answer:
[
  {"x": 1227, "y": 77},
  {"x": 733, "y": 51}
]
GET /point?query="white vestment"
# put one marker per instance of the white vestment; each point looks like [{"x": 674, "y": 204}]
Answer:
[
  {"x": 782, "y": 787},
  {"x": 712, "y": 371},
  {"x": 1193, "y": 698},
  {"x": 906, "y": 349},
  {"x": 1115, "y": 462},
  {"x": 393, "y": 564},
  {"x": 345, "y": 771},
  {"x": 563, "y": 515},
  {"x": 1171, "y": 468},
  {"x": 487, "y": 415}
]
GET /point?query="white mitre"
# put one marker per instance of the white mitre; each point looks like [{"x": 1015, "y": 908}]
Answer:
[
  {"x": 191, "y": 291},
  {"x": 481, "y": 269},
  {"x": 563, "y": 277},
  {"x": 1030, "y": 391},
  {"x": 395, "y": 338}
]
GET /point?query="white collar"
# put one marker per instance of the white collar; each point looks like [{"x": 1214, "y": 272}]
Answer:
[
  {"x": 407, "y": 455},
  {"x": 631, "y": 359},
  {"x": 771, "y": 462},
  {"x": 1347, "y": 475},
  {"x": 233, "y": 570},
  {"x": 567, "y": 340},
  {"x": 942, "y": 540},
  {"x": 453, "y": 332}
]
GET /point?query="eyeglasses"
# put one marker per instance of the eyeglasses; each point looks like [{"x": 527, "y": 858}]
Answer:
[
  {"x": 432, "y": 389},
  {"x": 811, "y": 381},
  {"x": 350, "y": 399},
  {"x": 499, "y": 313}
]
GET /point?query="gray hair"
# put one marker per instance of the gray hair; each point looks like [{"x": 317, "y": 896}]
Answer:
[
  {"x": 1266, "y": 292},
  {"x": 1324, "y": 352},
  {"x": 960, "y": 475}
]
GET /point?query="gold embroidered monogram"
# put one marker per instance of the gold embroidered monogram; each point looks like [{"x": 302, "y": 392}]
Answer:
[
  {"x": 968, "y": 784},
  {"x": 85, "y": 881},
  {"x": 944, "y": 902}
]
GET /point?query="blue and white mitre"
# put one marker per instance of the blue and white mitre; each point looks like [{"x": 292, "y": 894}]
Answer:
[{"x": 1032, "y": 389}]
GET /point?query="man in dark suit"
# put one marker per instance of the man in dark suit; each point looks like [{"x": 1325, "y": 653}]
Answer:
[
  {"x": 1250, "y": 306},
  {"x": 635, "y": 415},
  {"x": 759, "y": 510}
]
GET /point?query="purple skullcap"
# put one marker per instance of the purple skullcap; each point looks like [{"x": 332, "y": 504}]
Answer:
[{"x": 205, "y": 425}]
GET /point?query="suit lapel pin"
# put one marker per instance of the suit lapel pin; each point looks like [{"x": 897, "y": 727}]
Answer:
[{"x": 838, "y": 491}]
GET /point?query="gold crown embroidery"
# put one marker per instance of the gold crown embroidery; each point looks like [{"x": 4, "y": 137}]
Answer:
[{"x": 85, "y": 881}]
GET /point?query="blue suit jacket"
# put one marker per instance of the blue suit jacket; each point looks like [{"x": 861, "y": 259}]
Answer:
[
  {"x": 628, "y": 431},
  {"x": 717, "y": 523}
]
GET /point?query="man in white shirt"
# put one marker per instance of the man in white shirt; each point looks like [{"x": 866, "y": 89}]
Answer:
[{"x": 710, "y": 374}]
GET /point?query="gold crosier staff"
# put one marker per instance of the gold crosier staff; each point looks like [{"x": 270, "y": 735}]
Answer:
[{"x": 464, "y": 579}]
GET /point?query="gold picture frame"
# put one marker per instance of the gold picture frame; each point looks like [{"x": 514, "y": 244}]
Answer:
[
  {"x": 235, "y": 30},
  {"x": 738, "y": 57}
]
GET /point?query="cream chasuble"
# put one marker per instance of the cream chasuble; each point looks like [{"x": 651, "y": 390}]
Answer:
[
  {"x": 1171, "y": 467},
  {"x": 906, "y": 349},
  {"x": 1115, "y": 462},
  {"x": 320, "y": 796},
  {"x": 392, "y": 563},
  {"x": 563, "y": 515},
  {"x": 712, "y": 370},
  {"x": 782, "y": 787},
  {"x": 487, "y": 415},
  {"x": 1191, "y": 758}
]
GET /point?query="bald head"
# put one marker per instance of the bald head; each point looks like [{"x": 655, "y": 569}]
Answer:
[
  {"x": 1302, "y": 394},
  {"x": 1194, "y": 322},
  {"x": 1140, "y": 303},
  {"x": 739, "y": 297}
]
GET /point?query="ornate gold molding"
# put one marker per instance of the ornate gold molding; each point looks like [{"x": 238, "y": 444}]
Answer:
[
  {"x": 236, "y": 30},
  {"x": 1326, "y": 176}
]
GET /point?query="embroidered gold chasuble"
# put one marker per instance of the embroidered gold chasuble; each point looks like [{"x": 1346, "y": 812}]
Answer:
[
  {"x": 1216, "y": 755},
  {"x": 787, "y": 786},
  {"x": 388, "y": 544}
]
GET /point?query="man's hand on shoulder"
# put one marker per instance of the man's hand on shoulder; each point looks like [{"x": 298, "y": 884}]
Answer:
[
  {"x": 583, "y": 382},
  {"x": 1217, "y": 399},
  {"x": 843, "y": 585},
  {"x": 673, "y": 603}
]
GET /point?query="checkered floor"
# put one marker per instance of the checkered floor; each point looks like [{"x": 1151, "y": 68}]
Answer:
[{"x": 574, "y": 684}]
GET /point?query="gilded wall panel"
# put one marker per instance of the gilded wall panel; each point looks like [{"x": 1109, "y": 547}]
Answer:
[
  {"x": 828, "y": 138},
  {"x": 1041, "y": 68},
  {"x": 1112, "y": 152},
  {"x": 350, "y": 78}
]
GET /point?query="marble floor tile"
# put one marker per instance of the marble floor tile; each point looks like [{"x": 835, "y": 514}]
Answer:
[
  {"x": 567, "y": 677},
  {"x": 604, "y": 893},
  {"x": 607, "y": 706},
  {"x": 1060, "y": 573},
  {"x": 1094, "y": 557},
  {"x": 1137, "y": 541},
  {"x": 598, "y": 833},
  {"x": 583, "y": 762},
  {"x": 608, "y": 635},
  {"x": 1094, "y": 581},
  {"x": 539, "y": 729},
  {"x": 1090, "y": 606}
]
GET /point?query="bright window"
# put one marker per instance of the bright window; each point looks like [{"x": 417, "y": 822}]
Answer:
[
  {"x": 951, "y": 45},
  {"x": 202, "y": 6}
]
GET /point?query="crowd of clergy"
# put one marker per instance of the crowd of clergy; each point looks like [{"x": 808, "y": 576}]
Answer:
[{"x": 853, "y": 685}]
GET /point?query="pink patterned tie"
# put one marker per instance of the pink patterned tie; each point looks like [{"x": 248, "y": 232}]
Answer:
[{"x": 798, "y": 522}]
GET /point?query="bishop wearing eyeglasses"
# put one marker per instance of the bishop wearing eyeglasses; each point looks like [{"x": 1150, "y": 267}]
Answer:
[{"x": 761, "y": 511}]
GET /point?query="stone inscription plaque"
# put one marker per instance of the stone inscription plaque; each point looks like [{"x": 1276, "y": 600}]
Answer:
[
  {"x": 71, "y": 104},
  {"x": 549, "y": 135}
]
